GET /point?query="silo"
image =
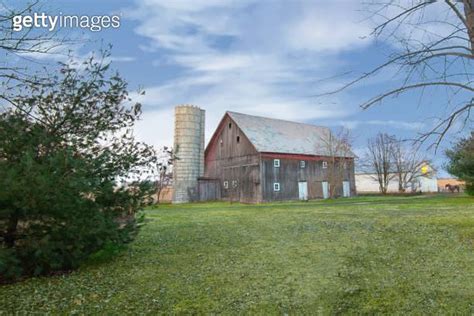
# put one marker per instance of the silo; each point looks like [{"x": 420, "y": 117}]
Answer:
[{"x": 189, "y": 150}]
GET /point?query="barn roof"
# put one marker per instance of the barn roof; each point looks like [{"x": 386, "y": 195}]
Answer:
[{"x": 280, "y": 136}]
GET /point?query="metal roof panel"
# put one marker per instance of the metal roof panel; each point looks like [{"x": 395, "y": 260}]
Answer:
[{"x": 280, "y": 136}]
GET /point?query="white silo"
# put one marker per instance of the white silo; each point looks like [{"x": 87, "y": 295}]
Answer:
[{"x": 189, "y": 150}]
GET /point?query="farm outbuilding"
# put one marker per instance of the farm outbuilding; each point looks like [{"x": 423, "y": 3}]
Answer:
[
  {"x": 255, "y": 159},
  {"x": 425, "y": 182}
]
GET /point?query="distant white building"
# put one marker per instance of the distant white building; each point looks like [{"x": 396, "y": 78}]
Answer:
[{"x": 426, "y": 182}]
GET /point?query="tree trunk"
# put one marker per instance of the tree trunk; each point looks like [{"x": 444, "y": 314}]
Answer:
[
  {"x": 469, "y": 11},
  {"x": 10, "y": 235},
  {"x": 401, "y": 187}
]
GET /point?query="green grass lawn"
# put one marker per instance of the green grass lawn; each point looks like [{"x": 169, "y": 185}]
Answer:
[{"x": 367, "y": 254}]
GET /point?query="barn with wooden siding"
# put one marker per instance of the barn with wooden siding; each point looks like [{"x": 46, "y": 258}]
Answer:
[{"x": 256, "y": 159}]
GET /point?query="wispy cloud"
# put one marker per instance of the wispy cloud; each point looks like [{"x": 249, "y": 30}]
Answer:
[
  {"x": 411, "y": 126},
  {"x": 322, "y": 28},
  {"x": 120, "y": 59},
  {"x": 248, "y": 56}
]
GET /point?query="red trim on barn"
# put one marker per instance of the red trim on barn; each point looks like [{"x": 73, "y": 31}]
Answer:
[{"x": 296, "y": 156}]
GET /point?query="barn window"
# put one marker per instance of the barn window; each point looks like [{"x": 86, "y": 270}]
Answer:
[
  {"x": 226, "y": 184},
  {"x": 276, "y": 163},
  {"x": 302, "y": 164},
  {"x": 238, "y": 139},
  {"x": 221, "y": 142},
  {"x": 325, "y": 164},
  {"x": 235, "y": 183},
  {"x": 276, "y": 186},
  {"x": 230, "y": 125}
]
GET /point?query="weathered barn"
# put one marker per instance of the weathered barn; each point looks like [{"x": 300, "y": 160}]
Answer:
[{"x": 257, "y": 159}]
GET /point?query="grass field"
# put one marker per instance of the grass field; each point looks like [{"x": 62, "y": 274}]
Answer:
[{"x": 367, "y": 254}]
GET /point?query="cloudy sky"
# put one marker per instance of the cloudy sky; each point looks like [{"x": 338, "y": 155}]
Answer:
[{"x": 269, "y": 58}]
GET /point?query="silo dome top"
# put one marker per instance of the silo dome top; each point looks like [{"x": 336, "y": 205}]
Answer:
[{"x": 188, "y": 106}]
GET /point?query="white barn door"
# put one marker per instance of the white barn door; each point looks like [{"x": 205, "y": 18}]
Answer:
[
  {"x": 346, "y": 189},
  {"x": 303, "y": 190},
  {"x": 325, "y": 190}
]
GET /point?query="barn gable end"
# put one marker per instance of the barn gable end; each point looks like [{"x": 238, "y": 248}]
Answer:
[{"x": 232, "y": 158}]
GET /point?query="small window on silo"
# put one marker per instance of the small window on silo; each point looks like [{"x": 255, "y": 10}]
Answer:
[
  {"x": 276, "y": 163},
  {"x": 276, "y": 186},
  {"x": 238, "y": 139},
  {"x": 221, "y": 142}
]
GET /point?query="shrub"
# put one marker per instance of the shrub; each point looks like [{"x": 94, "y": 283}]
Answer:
[
  {"x": 67, "y": 156},
  {"x": 461, "y": 162}
]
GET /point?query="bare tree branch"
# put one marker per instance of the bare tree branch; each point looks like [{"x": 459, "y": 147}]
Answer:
[
  {"x": 425, "y": 57},
  {"x": 414, "y": 86}
]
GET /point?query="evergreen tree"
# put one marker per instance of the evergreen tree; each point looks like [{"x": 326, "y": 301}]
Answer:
[
  {"x": 461, "y": 162},
  {"x": 70, "y": 170}
]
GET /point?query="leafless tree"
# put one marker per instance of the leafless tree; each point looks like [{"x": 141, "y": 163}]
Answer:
[
  {"x": 164, "y": 164},
  {"x": 407, "y": 163},
  {"x": 379, "y": 159},
  {"x": 430, "y": 52},
  {"x": 338, "y": 152},
  {"x": 19, "y": 49}
]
